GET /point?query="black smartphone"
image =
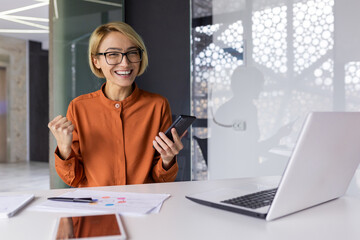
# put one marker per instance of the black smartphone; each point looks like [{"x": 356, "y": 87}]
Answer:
[{"x": 181, "y": 123}]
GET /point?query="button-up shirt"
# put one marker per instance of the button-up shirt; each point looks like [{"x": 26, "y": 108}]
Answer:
[{"x": 112, "y": 140}]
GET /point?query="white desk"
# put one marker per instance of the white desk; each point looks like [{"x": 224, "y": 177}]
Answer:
[{"x": 181, "y": 218}]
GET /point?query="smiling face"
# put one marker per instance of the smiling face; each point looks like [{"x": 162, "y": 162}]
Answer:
[{"x": 123, "y": 74}]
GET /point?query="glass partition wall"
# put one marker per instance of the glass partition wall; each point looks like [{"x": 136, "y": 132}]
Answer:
[
  {"x": 71, "y": 23},
  {"x": 258, "y": 68}
]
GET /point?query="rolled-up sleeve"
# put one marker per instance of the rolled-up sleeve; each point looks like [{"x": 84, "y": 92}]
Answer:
[
  {"x": 71, "y": 169},
  {"x": 160, "y": 174}
]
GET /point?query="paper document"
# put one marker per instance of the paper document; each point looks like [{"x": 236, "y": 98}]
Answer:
[
  {"x": 107, "y": 202},
  {"x": 9, "y": 205}
]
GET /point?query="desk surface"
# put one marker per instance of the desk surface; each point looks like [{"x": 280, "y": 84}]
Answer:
[{"x": 180, "y": 218}]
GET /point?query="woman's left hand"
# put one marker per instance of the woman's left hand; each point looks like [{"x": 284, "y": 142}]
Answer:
[{"x": 167, "y": 148}]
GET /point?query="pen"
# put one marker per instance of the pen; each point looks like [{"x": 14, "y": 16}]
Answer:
[{"x": 66, "y": 199}]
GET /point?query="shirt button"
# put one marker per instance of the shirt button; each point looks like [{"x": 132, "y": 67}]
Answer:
[{"x": 117, "y": 105}]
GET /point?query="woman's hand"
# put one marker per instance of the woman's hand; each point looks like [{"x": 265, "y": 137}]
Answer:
[
  {"x": 62, "y": 130},
  {"x": 167, "y": 148}
]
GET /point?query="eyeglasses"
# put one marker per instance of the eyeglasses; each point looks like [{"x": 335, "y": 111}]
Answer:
[{"x": 114, "y": 57}]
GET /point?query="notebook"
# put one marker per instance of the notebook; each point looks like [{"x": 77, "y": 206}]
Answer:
[
  {"x": 9, "y": 205},
  {"x": 320, "y": 169}
]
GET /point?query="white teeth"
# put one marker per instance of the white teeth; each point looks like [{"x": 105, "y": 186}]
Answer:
[{"x": 123, "y": 72}]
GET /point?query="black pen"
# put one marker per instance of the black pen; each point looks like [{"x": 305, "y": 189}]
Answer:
[{"x": 66, "y": 199}]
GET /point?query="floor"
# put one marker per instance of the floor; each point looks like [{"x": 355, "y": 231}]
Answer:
[{"x": 24, "y": 176}]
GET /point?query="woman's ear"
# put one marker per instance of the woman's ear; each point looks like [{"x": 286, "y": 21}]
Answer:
[{"x": 96, "y": 62}]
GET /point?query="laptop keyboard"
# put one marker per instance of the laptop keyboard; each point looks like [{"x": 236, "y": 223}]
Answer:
[{"x": 254, "y": 200}]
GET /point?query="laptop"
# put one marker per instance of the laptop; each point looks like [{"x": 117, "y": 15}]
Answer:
[{"x": 320, "y": 169}]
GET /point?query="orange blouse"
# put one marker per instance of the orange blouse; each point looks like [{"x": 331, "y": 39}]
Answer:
[{"x": 112, "y": 140}]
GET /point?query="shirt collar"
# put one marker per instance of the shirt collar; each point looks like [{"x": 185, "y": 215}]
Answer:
[{"x": 118, "y": 105}]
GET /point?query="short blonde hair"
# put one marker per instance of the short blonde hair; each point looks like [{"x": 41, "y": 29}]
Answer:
[{"x": 100, "y": 32}]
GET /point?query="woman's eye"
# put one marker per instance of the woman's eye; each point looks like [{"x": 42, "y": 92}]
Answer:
[
  {"x": 113, "y": 54},
  {"x": 133, "y": 53}
]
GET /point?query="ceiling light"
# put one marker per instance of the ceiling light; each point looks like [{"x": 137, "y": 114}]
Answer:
[
  {"x": 24, "y": 22},
  {"x": 24, "y": 8},
  {"x": 27, "y": 18}
]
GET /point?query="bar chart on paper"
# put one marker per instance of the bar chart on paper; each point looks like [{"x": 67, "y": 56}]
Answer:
[{"x": 108, "y": 202}]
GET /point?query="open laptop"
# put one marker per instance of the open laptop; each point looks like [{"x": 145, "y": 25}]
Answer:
[{"x": 320, "y": 169}]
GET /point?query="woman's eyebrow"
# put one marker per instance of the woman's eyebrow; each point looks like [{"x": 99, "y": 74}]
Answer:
[
  {"x": 119, "y": 49},
  {"x": 109, "y": 49}
]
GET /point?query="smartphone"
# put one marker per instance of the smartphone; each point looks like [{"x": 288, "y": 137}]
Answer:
[
  {"x": 107, "y": 226},
  {"x": 181, "y": 123}
]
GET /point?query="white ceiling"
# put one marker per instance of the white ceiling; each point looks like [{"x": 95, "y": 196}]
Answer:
[{"x": 25, "y": 19}]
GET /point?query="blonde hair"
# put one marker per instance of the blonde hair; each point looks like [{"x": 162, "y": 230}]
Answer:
[{"x": 100, "y": 32}]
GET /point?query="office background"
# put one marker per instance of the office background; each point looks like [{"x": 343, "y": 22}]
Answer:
[{"x": 302, "y": 54}]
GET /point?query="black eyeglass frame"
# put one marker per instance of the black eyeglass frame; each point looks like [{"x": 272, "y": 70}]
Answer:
[{"x": 122, "y": 55}]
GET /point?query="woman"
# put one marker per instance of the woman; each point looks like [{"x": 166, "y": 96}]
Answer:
[{"x": 109, "y": 137}]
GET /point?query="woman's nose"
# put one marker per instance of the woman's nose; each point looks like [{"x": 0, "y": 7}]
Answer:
[{"x": 124, "y": 61}]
